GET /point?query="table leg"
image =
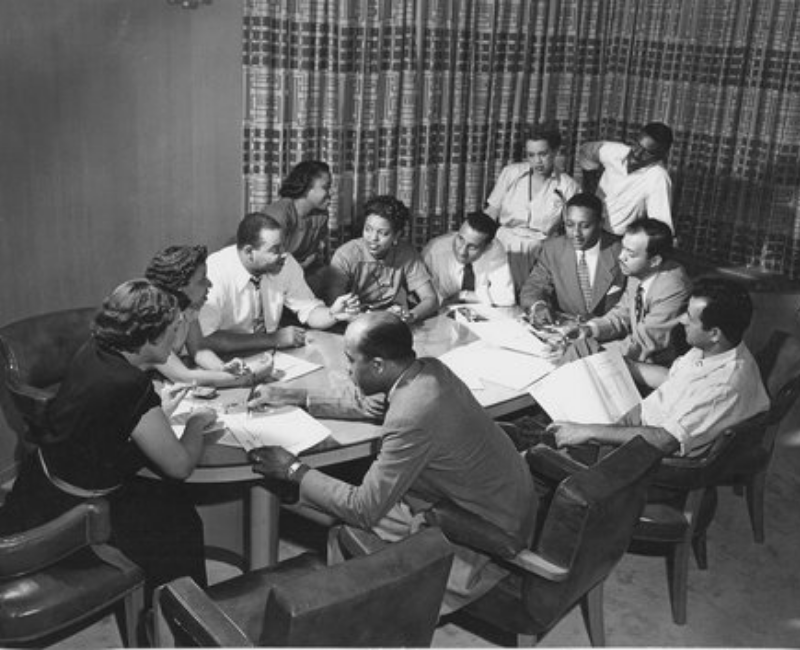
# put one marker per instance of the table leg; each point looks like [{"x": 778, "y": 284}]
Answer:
[{"x": 263, "y": 534}]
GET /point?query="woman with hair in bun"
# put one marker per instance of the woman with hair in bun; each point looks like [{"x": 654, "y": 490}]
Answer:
[
  {"x": 105, "y": 424},
  {"x": 382, "y": 270},
  {"x": 302, "y": 212},
  {"x": 181, "y": 271}
]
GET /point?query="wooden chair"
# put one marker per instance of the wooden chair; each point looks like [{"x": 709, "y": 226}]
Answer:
[
  {"x": 740, "y": 457},
  {"x": 36, "y": 353},
  {"x": 584, "y": 528},
  {"x": 56, "y": 576},
  {"x": 388, "y": 599}
]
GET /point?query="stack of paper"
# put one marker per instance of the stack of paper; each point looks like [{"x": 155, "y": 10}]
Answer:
[{"x": 288, "y": 367}]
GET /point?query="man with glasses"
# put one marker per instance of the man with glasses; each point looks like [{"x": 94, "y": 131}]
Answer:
[{"x": 635, "y": 182}]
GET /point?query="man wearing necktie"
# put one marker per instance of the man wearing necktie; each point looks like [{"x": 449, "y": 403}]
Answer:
[
  {"x": 646, "y": 318},
  {"x": 252, "y": 281},
  {"x": 577, "y": 273},
  {"x": 470, "y": 265}
]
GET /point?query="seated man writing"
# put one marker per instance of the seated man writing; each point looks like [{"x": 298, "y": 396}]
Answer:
[
  {"x": 251, "y": 282},
  {"x": 470, "y": 265},
  {"x": 438, "y": 444},
  {"x": 655, "y": 296},
  {"x": 577, "y": 273},
  {"x": 713, "y": 386}
]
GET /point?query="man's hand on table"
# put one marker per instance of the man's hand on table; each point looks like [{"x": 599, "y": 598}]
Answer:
[
  {"x": 290, "y": 337},
  {"x": 570, "y": 434},
  {"x": 276, "y": 463}
]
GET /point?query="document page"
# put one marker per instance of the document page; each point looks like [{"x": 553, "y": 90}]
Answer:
[
  {"x": 287, "y": 426},
  {"x": 510, "y": 334},
  {"x": 288, "y": 367},
  {"x": 478, "y": 361},
  {"x": 597, "y": 389}
]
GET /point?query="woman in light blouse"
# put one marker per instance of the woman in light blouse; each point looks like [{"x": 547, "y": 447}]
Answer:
[
  {"x": 528, "y": 200},
  {"x": 382, "y": 270}
]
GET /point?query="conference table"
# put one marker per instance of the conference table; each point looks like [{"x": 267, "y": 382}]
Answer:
[{"x": 348, "y": 440}]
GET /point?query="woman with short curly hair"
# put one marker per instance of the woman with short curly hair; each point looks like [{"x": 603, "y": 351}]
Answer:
[
  {"x": 105, "y": 423},
  {"x": 181, "y": 271},
  {"x": 380, "y": 268}
]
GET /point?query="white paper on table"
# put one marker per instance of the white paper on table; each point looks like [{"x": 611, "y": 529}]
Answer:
[
  {"x": 287, "y": 426},
  {"x": 288, "y": 367},
  {"x": 497, "y": 365},
  {"x": 461, "y": 362},
  {"x": 510, "y": 334},
  {"x": 597, "y": 389}
]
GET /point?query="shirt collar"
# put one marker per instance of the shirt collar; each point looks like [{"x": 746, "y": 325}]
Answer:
[{"x": 396, "y": 384}]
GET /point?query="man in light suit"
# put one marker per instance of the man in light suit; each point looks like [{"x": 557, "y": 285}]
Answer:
[
  {"x": 438, "y": 444},
  {"x": 555, "y": 283},
  {"x": 645, "y": 319}
]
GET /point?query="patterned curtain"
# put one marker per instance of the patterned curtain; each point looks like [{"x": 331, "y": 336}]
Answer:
[{"x": 426, "y": 99}]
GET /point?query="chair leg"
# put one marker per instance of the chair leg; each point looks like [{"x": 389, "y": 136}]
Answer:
[
  {"x": 592, "y": 610},
  {"x": 678, "y": 580},
  {"x": 133, "y": 617},
  {"x": 755, "y": 504},
  {"x": 700, "y": 550}
]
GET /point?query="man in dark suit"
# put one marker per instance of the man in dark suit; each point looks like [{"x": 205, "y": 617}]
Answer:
[
  {"x": 645, "y": 319},
  {"x": 577, "y": 273}
]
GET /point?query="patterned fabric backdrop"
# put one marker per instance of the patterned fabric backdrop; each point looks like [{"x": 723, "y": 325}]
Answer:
[{"x": 426, "y": 99}]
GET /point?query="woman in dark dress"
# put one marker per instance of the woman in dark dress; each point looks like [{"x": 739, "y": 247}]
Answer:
[{"x": 105, "y": 424}]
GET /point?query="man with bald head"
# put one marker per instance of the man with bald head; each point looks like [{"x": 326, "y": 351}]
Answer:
[{"x": 437, "y": 444}]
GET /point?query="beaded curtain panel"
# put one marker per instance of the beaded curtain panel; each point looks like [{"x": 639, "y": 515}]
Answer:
[{"x": 427, "y": 100}]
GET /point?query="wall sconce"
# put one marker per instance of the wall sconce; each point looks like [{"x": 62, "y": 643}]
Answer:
[{"x": 189, "y": 4}]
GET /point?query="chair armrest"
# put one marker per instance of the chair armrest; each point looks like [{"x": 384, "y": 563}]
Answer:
[
  {"x": 31, "y": 550},
  {"x": 468, "y": 529},
  {"x": 356, "y": 542},
  {"x": 184, "y": 604},
  {"x": 551, "y": 464},
  {"x": 533, "y": 563}
]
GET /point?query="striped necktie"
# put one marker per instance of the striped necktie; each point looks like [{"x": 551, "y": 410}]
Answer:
[
  {"x": 639, "y": 303},
  {"x": 583, "y": 280},
  {"x": 259, "y": 327}
]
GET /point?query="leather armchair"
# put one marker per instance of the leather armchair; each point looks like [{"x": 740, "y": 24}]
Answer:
[
  {"x": 57, "y": 575},
  {"x": 584, "y": 531},
  {"x": 684, "y": 494},
  {"x": 36, "y": 353},
  {"x": 391, "y": 598}
]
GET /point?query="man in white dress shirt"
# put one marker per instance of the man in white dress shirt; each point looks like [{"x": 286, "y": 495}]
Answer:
[
  {"x": 252, "y": 281},
  {"x": 470, "y": 265},
  {"x": 635, "y": 181}
]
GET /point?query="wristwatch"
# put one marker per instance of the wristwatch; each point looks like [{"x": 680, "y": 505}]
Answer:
[{"x": 291, "y": 471}]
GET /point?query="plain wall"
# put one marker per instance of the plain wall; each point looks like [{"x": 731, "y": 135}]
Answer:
[{"x": 120, "y": 133}]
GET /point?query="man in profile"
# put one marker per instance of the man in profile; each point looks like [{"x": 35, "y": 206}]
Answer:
[
  {"x": 252, "y": 281},
  {"x": 713, "y": 386},
  {"x": 470, "y": 265},
  {"x": 438, "y": 444},
  {"x": 577, "y": 273},
  {"x": 635, "y": 182},
  {"x": 645, "y": 320}
]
